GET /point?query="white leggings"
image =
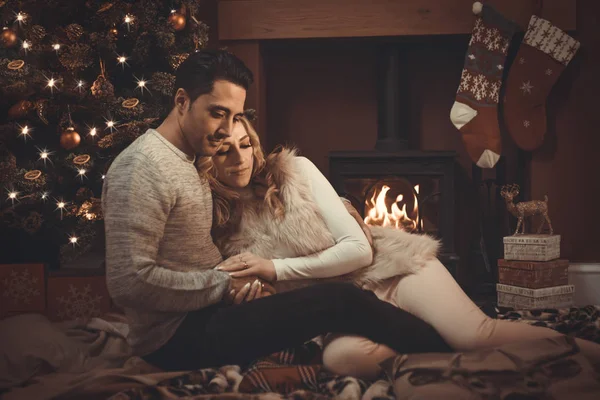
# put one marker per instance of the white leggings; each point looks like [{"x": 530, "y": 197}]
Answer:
[{"x": 433, "y": 295}]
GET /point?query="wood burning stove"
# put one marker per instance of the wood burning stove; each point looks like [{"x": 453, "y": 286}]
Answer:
[{"x": 395, "y": 185}]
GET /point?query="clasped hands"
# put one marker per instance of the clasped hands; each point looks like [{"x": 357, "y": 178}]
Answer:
[{"x": 251, "y": 277}]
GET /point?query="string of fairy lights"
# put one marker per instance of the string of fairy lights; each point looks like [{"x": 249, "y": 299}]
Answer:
[{"x": 55, "y": 84}]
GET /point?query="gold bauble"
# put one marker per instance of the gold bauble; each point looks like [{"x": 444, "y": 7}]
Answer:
[
  {"x": 69, "y": 139},
  {"x": 177, "y": 21},
  {"x": 9, "y": 37}
]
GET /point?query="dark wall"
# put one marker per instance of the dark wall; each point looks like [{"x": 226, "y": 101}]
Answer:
[{"x": 321, "y": 97}]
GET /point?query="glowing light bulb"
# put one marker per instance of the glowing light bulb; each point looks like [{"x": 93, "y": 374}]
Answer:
[{"x": 56, "y": 46}]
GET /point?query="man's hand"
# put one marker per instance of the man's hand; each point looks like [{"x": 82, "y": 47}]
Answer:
[
  {"x": 247, "y": 289},
  {"x": 248, "y": 264},
  {"x": 365, "y": 228}
]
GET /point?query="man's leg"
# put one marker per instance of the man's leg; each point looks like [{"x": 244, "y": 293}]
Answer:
[{"x": 239, "y": 334}]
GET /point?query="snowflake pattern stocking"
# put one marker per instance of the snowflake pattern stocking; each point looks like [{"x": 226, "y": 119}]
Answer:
[
  {"x": 475, "y": 110},
  {"x": 543, "y": 55}
]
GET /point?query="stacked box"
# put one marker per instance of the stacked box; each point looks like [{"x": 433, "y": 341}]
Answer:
[
  {"x": 532, "y": 275},
  {"x": 532, "y": 247},
  {"x": 526, "y": 298}
]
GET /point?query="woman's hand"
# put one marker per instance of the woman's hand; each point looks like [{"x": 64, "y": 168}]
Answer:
[
  {"x": 247, "y": 264},
  {"x": 243, "y": 290}
]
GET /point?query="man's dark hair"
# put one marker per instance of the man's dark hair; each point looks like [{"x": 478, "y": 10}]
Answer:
[{"x": 198, "y": 73}]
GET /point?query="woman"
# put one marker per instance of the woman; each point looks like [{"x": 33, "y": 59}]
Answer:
[{"x": 288, "y": 226}]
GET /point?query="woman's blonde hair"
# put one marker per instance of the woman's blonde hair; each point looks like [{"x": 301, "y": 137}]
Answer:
[{"x": 227, "y": 206}]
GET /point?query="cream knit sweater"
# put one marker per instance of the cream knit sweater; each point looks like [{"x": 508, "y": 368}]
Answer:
[{"x": 159, "y": 252}]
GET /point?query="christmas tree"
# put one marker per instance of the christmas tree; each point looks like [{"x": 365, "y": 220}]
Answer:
[{"x": 79, "y": 81}]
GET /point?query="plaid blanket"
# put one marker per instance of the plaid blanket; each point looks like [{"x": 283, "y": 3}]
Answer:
[{"x": 297, "y": 374}]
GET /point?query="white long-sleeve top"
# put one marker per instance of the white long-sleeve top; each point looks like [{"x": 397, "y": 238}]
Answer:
[{"x": 351, "y": 250}]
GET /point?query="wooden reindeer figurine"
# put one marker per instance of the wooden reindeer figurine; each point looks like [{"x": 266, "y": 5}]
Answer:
[{"x": 525, "y": 208}]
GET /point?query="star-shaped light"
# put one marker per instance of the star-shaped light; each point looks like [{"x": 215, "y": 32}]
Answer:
[
  {"x": 93, "y": 132},
  {"x": 56, "y": 46},
  {"x": 45, "y": 155},
  {"x": 122, "y": 59},
  {"x": 526, "y": 87},
  {"x": 25, "y": 132},
  {"x": 52, "y": 83},
  {"x": 142, "y": 84},
  {"x": 103, "y": 176},
  {"x": 73, "y": 240},
  {"x": 25, "y": 45},
  {"x": 80, "y": 85},
  {"x": 13, "y": 196},
  {"x": 128, "y": 20},
  {"x": 111, "y": 124},
  {"x": 44, "y": 196},
  {"x": 81, "y": 173},
  {"x": 20, "y": 18},
  {"x": 60, "y": 205}
]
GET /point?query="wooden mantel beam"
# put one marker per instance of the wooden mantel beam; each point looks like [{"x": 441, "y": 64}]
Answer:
[{"x": 295, "y": 19}]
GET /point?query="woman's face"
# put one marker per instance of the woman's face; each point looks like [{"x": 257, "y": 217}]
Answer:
[{"x": 234, "y": 160}]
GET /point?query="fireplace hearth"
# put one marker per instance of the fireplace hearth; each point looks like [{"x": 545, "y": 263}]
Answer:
[{"x": 394, "y": 184}]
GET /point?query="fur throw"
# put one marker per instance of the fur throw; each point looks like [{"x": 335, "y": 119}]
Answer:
[{"x": 303, "y": 232}]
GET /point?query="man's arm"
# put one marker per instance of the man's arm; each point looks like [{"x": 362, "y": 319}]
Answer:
[{"x": 136, "y": 202}]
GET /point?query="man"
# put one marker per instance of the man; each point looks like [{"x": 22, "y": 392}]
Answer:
[{"x": 161, "y": 259}]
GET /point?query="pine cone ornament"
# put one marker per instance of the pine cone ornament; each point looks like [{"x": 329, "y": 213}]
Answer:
[
  {"x": 102, "y": 88},
  {"x": 74, "y": 32},
  {"x": 108, "y": 141},
  {"x": 175, "y": 60},
  {"x": 164, "y": 83},
  {"x": 37, "y": 34},
  {"x": 32, "y": 223},
  {"x": 90, "y": 210},
  {"x": 76, "y": 56},
  {"x": 165, "y": 39}
]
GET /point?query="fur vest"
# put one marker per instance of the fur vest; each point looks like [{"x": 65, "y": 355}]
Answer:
[{"x": 303, "y": 232}]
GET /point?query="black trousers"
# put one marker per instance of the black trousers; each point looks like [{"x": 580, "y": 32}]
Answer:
[{"x": 238, "y": 334}]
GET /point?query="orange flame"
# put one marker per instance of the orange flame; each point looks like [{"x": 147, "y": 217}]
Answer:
[{"x": 378, "y": 214}]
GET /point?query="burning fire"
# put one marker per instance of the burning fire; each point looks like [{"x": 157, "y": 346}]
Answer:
[{"x": 378, "y": 214}]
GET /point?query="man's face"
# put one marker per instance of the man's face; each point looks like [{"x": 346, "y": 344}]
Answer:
[{"x": 212, "y": 116}]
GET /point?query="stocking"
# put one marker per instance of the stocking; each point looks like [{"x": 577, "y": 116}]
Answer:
[
  {"x": 543, "y": 55},
  {"x": 475, "y": 109}
]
